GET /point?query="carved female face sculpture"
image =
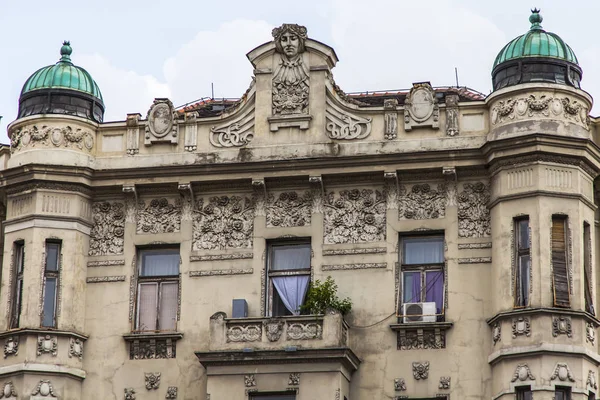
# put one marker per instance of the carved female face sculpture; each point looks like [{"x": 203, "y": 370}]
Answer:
[
  {"x": 289, "y": 39},
  {"x": 289, "y": 44}
]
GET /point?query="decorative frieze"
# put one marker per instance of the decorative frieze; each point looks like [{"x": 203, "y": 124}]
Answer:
[
  {"x": 421, "y": 107},
  {"x": 473, "y": 214},
  {"x": 11, "y": 346},
  {"x": 222, "y": 257},
  {"x": 421, "y": 338},
  {"x": 244, "y": 333},
  {"x": 152, "y": 380},
  {"x": 562, "y": 372},
  {"x": 444, "y": 383},
  {"x": 540, "y": 106},
  {"x": 422, "y": 201},
  {"x": 343, "y": 125},
  {"x": 129, "y": 394},
  {"x": 522, "y": 373},
  {"x": 561, "y": 326},
  {"x": 249, "y": 380},
  {"x": 44, "y": 389},
  {"x": 75, "y": 348},
  {"x": 106, "y": 263},
  {"x": 399, "y": 384},
  {"x": 149, "y": 349},
  {"x": 351, "y": 252},
  {"x": 171, "y": 393},
  {"x": 475, "y": 260},
  {"x": 390, "y": 119},
  {"x": 46, "y": 136},
  {"x": 107, "y": 234},
  {"x": 304, "y": 330},
  {"x": 496, "y": 332},
  {"x": 354, "y": 216},
  {"x": 273, "y": 329},
  {"x": 288, "y": 209},
  {"x": 420, "y": 370},
  {"x": 159, "y": 216},
  {"x": 521, "y": 326},
  {"x": 474, "y": 246},
  {"x": 225, "y": 222},
  {"x": 106, "y": 279},
  {"x": 8, "y": 391},
  {"x": 221, "y": 272},
  {"x": 591, "y": 380},
  {"x": 47, "y": 344},
  {"x": 161, "y": 126},
  {"x": 343, "y": 267},
  {"x": 294, "y": 379}
]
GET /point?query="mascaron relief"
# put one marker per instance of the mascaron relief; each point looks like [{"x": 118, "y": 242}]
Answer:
[
  {"x": 8, "y": 391},
  {"x": 11, "y": 346},
  {"x": 522, "y": 373},
  {"x": 76, "y": 348},
  {"x": 289, "y": 209},
  {"x": 290, "y": 83},
  {"x": 161, "y": 125},
  {"x": 159, "y": 216},
  {"x": 44, "y": 389},
  {"x": 273, "y": 329},
  {"x": 354, "y": 216},
  {"x": 562, "y": 372},
  {"x": 422, "y": 202},
  {"x": 47, "y": 344},
  {"x": 421, "y": 107},
  {"x": 244, "y": 333},
  {"x": 420, "y": 370},
  {"x": 107, "y": 235},
  {"x": 67, "y": 137},
  {"x": 304, "y": 331},
  {"x": 152, "y": 380},
  {"x": 473, "y": 214},
  {"x": 342, "y": 125},
  {"x": 129, "y": 394},
  {"x": 226, "y": 222},
  {"x": 561, "y": 326},
  {"x": 540, "y": 106},
  {"x": 171, "y": 393},
  {"x": 521, "y": 326}
]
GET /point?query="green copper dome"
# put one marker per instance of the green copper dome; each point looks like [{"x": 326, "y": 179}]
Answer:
[
  {"x": 62, "y": 75},
  {"x": 536, "y": 43}
]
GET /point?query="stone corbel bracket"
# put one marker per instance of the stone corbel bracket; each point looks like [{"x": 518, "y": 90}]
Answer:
[
  {"x": 318, "y": 192},
  {"x": 259, "y": 189},
  {"x": 236, "y": 133},
  {"x": 421, "y": 107},
  {"x": 392, "y": 188},
  {"x": 186, "y": 190},
  {"x": 133, "y": 133},
  {"x": 161, "y": 125},
  {"x": 131, "y": 201}
]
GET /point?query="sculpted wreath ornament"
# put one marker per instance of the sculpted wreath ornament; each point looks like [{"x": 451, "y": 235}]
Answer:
[
  {"x": 159, "y": 216},
  {"x": 289, "y": 209},
  {"x": 107, "y": 234}
]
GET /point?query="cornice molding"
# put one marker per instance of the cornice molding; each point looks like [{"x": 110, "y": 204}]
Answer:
[{"x": 545, "y": 311}]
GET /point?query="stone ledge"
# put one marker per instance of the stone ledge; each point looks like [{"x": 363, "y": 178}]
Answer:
[
  {"x": 46, "y": 369},
  {"x": 33, "y": 331},
  {"x": 153, "y": 335},
  {"x": 544, "y": 348},
  {"x": 422, "y": 325},
  {"x": 543, "y": 310}
]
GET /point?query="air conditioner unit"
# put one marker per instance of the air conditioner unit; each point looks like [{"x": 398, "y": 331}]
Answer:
[{"x": 419, "y": 312}]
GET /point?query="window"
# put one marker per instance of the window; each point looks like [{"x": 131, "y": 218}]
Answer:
[
  {"x": 423, "y": 271},
  {"x": 562, "y": 393},
  {"x": 273, "y": 396},
  {"x": 51, "y": 283},
  {"x": 522, "y": 262},
  {"x": 523, "y": 393},
  {"x": 158, "y": 290},
  {"x": 587, "y": 261},
  {"x": 288, "y": 275},
  {"x": 17, "y": 295},
  {"x": 560, "y": 274},
  {"x": 591, "y": 396}
]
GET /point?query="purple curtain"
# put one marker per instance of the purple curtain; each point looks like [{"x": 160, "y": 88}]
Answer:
[
  {"x": 434, "y": 289},
  {"x": 292, "y": 290},
  {"x": 412, "y": 287}
]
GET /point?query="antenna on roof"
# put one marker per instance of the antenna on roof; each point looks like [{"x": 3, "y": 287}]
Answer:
[
  {"x": 212, "y": 90},
  {"x": 456, "y": 74}
]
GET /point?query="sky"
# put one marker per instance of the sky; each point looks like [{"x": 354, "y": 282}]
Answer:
[{"x": 138, "y": 50}]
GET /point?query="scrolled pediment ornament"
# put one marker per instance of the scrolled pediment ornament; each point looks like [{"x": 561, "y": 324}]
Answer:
[
  {"x": 421, "y": 107},
  {"x": 161, "y": 126},
  {"x": 237, "y": 133},
  {"x": 343, "y": 125}
]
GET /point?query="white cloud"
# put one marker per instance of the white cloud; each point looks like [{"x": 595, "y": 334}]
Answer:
[{"x": 123, "y": 91}]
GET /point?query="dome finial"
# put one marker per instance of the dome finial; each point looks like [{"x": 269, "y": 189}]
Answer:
[
  {"x": 65, "y": 52},
  {"x": 536, "y": 19}
]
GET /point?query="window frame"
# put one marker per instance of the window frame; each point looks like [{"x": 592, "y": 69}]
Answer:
[
  {"x": 523, "y": 392},
  {"x": 566, "y": 390},
  {"x": 51, "y": 274},
  {"x": 18, "y": 270},
  {"x": 423, "y": 269},
  {"x": 555, "y": 252},
  {"x": 518, "y": 253},
  {"x": 270, "y": 273},
  {"x": 158, "y": 281},
  {"x": 287, "y": 395},
  {"x": 588, "y": 290}
]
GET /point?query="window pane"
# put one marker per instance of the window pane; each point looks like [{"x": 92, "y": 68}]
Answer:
[
  {"x": 290, "y": 257},
  {"x": 52, "y": 254},
  {"x": 523, "y": 281},
  {"x": 147, "y": 306},
  {"x": 49, "y": 302},
  {"x": 167, "y": 320},
  {"x": 523, "y": 227},
  {"x": 160, "y": 262},
  {"x": 411, "y": 291},
  {"x": 273, "y": 397},
  {"x": 19, "y": 258},
  {"x": 434, "y": 289},
  {"x": 423, "y": 250}
]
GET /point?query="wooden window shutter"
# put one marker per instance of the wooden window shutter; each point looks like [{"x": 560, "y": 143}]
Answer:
[{"x": 560, "y": 273}]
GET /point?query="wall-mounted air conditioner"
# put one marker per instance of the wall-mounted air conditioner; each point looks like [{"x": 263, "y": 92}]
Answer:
[{"x": 419, "y": 312}]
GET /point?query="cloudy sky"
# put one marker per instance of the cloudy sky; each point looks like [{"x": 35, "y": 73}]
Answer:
[{"x": 137, "y": 50}]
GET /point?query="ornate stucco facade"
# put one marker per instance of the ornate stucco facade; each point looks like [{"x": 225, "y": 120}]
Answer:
[{"x": 488, "y": 202}]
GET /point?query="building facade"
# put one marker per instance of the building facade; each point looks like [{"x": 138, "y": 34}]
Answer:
[{"x": 168, "y": 256}]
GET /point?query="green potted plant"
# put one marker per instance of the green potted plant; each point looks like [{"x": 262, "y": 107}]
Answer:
[{"x": 322, "y": 296}]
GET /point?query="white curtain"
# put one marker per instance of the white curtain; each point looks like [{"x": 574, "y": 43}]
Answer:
[
  {"x": 424, "y": 250},
  {"x": 160, "y": 264},
  {"x": 292, "y": 290}
]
